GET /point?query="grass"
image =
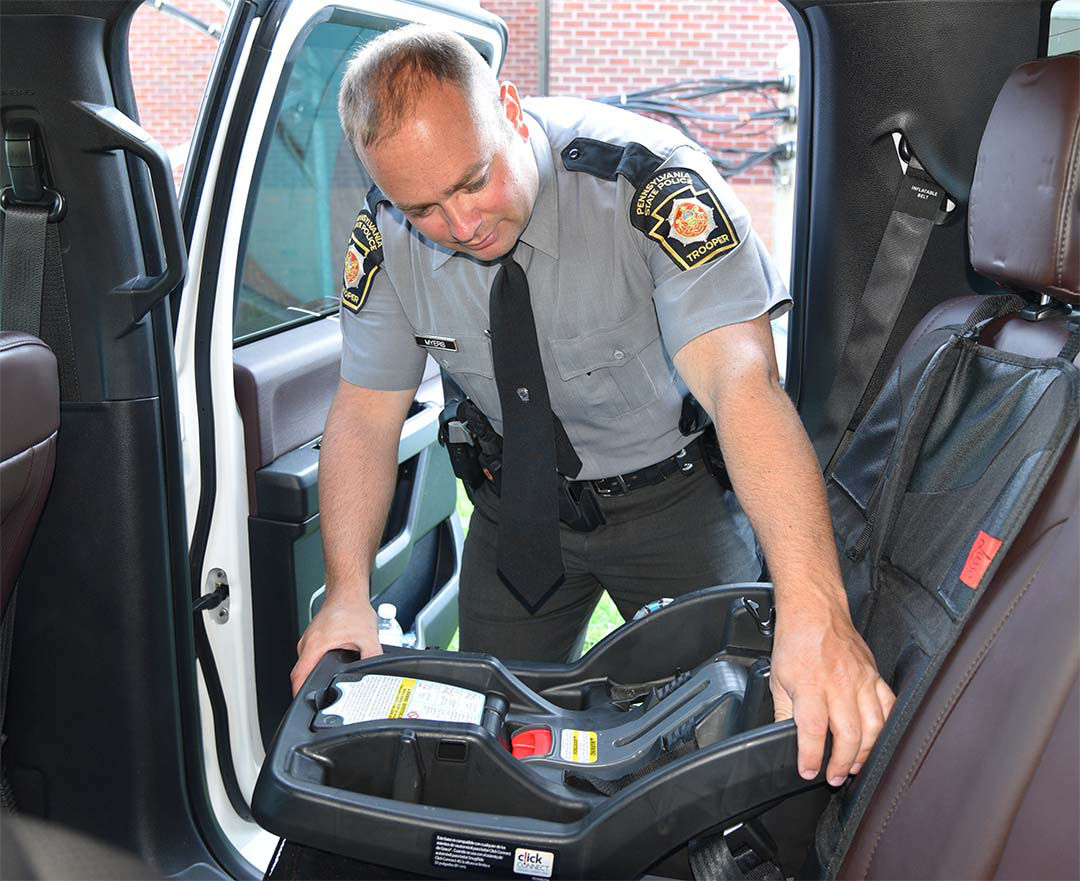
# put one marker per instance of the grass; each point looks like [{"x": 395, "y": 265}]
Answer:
[{"x": 605, "y": 616}]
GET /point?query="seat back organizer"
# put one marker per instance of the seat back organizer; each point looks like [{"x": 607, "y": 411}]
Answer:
[{"x": 453, "y": 765}]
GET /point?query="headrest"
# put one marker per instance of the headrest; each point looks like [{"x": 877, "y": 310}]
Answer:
[{"x": 1024, "y": 213}]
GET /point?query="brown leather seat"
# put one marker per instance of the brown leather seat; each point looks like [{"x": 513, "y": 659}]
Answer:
[
  {"x": 29, "y": 419},
  {"x": 986, "y": 779}
]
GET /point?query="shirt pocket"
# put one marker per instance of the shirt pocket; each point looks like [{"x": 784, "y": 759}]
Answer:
[
  {"x": 471, "y": 367},
  {"x": 473, "y": 356},
  {"x": 605, "y": 367}
]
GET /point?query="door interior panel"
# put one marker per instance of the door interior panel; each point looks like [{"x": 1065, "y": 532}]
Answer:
[
  {"x": 416, "y": 568},
  {"x": 284, "y": 385}
]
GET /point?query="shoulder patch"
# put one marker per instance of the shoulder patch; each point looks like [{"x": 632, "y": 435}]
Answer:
[
  {"x": 363, "y": 257},
  {"x": 679, "y": 211}
]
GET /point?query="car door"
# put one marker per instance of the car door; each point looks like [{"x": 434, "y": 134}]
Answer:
[{"x": 271, "y": 192}]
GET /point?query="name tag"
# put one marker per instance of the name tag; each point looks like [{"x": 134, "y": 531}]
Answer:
[{"x": 443, "y": 343}]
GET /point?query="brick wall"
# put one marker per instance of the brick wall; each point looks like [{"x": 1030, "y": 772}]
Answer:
[
  {"x": 522, "y": 64},
  {"x": 600, "y": 47},
  {"x": 170, "y": 63},
  {"x": 597, "y": 47}
]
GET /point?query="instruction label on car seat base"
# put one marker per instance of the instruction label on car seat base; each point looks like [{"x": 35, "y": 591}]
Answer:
[
  {"x": 397, "y": 697},
  {"x": 479, "y": 856},
  {"x": 578, "y": 746}
]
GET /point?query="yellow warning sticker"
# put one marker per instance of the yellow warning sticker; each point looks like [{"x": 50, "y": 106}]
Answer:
[
  {"x": 579, "y": 746},
  {"x": 401, "y": 700},
  {"x": 377, "y": 696}
]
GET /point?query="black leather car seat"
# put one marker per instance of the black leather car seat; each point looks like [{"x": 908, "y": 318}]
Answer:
[
  {"x": 29, "y": 419},
  {"x": 984, "y": 782}
]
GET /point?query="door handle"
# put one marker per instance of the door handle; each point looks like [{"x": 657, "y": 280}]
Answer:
[
  {"x": 420, "y": 430},
  {"x": 115, "y": 131}
]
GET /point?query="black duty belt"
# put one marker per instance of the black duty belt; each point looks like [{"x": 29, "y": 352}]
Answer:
[{"x": 683, "y": 462}]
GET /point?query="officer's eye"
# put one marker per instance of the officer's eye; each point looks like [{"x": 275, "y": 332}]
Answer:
[
  {"x": 418, "y": 212},
  {"x": 479, "y": 183}
]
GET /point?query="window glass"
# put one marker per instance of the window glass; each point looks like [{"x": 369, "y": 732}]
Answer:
[
  {"x": 1064, "y": 27},
  {"x": 309, "y": 188}
]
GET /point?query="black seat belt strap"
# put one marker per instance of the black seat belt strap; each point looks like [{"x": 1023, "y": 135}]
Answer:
[
  {"x": 55, "y": 318},
  {"x": 34, "y": 298},
  {"x": 918, "y": 207},
  {"x": 24, "y": 268}
]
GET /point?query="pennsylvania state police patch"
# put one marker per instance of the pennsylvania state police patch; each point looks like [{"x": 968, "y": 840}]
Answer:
[
  {"x": 678, "y": 210},
  {"x": 362, "y": 260}
]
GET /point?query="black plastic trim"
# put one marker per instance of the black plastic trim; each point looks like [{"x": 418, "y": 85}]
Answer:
[
  {"x": 800, "y": 235},
  {"x": 219, "y": 851}
]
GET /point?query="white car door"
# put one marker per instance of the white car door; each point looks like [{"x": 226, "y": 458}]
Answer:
[{"x": 268, "y": 203}]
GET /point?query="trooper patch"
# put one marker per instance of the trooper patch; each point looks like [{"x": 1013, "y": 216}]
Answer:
[
  {"x": 362, "y": 260},
  {"x": 676, "y": 208}
]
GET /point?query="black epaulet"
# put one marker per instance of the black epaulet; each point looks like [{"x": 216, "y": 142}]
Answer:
[
  {"x": 373, "y": 198},
  {"x": 606, "y": 161}
]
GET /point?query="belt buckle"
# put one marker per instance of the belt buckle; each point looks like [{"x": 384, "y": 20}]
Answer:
[{"x": 604, "y": 489}]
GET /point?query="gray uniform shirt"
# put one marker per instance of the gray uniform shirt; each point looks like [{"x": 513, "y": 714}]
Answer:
[{"x": 635, "y": 246}]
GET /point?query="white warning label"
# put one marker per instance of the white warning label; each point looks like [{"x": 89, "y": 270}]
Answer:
[
  {"x": 479, "y": 857},
  {"x": 578, "y": 746},
  {"x": 396, "y": 697}
]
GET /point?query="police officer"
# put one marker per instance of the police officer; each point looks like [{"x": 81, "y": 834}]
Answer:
[{"x": 644, "y": 278}]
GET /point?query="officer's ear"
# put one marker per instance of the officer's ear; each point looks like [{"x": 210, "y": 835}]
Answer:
[{"x": 508, "y": 97}]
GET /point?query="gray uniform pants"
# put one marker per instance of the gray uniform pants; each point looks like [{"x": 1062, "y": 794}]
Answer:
[{"x": 680, "y": 535}]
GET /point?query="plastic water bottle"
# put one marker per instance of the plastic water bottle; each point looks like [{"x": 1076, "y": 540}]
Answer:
[
  {"x": 389, "y": 629},
  {"x": 654, "y": 606}
]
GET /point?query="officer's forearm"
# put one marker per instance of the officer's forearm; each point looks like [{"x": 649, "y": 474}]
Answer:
[
  {"x": 357, "y": 474},
  {"x": 775, "y": 475},
  {"x": 732, "y": 372}
]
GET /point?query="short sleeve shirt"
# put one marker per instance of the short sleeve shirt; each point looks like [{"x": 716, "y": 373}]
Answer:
[{"x": 635, "y": 246}]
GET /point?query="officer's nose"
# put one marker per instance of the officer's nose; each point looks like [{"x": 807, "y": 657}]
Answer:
[{"x": 462, "y": 219}]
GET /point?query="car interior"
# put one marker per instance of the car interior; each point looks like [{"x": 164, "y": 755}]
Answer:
[{"x": 160, "y": 420}]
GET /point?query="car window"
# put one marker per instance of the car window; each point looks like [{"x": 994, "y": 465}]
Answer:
[
  {"x": 1064, "y": 27},
  {"x": 306, "y": 192}
]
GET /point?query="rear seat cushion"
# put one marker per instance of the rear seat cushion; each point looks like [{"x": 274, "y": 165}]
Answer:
[
  {"x": 974, "y": 749},
  {"x": 29, "y": 419}
]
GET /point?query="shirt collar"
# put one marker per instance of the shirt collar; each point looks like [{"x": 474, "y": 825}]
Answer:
[{"x": 542, "y": 231}]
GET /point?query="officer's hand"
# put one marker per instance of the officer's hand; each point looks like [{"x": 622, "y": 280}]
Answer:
[
  {"x": 345, "y": 622},
  {"x": 824, "y": 675}
]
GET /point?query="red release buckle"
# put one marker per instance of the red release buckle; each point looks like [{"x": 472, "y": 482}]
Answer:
[{"x": 533, "y": 742}]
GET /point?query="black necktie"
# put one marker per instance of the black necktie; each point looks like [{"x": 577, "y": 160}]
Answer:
[{"x": 529, "y": 556}]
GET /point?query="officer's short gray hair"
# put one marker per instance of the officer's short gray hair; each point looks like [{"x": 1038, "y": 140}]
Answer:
[{"x": 386, "y": 77}]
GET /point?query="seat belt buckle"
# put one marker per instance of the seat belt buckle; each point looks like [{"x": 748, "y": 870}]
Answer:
[{"x": 25, "y": 162}]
